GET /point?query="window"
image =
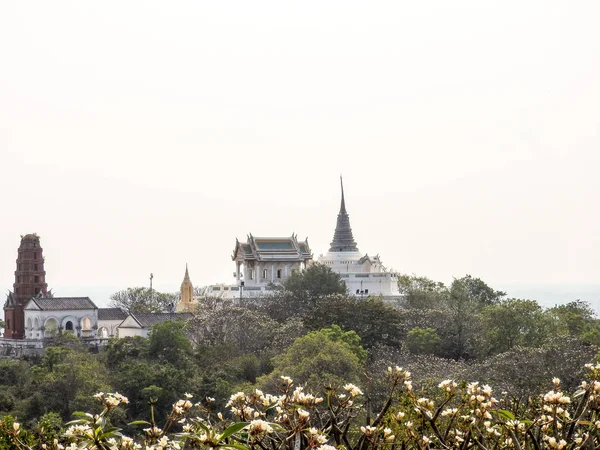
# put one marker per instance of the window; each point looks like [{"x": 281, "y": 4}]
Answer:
[
  {"x": 366, "y": 291},
  {"x": 252, "y": 274},
  {"x": 34, "y": 255},
  {"x": 35, "y": 267},
  {"x": 37, "y": 279},
  {"x": 278, "y": 273},
  {"x": 37, "y": 291},
  {"x": 264, "y": 273}
]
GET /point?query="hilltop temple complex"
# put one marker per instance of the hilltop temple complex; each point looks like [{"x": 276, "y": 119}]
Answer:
[
  {"x": 31, "y": 311},
  {"x": 264, "y": 262}
]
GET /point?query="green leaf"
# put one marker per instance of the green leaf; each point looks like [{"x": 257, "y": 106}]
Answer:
[
  {"x": 78, "y": 421},
  {"x": 506, "y": 414},
  {"x": 82, "y": 414},
  {"x": 203, "y": 426},
  {"x": 232, "y": 429},
  {"x": 139, "y": 422},
  {"x": 110, "y": 434}
]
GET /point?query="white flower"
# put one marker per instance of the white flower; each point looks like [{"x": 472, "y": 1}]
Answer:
[
  {"x": 303, "y": 415},
  {"x": 368, "y": 430},
  {"x": 287, "y": 380},
  {"x": 259, "y": 426},
  {"x": 236, "y": 398},
  {"x": 326, "y": 447},
  {"x": 353, "y": 390}
]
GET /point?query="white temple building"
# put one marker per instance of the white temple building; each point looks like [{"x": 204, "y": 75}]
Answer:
[
  {"x": 364, "y": 275},
  {"x": 263, "y": 262}
]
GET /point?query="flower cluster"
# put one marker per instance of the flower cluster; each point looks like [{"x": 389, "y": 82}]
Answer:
[
  {"x": 454, "y": 416},
  {"x": 111, "y": 400}
]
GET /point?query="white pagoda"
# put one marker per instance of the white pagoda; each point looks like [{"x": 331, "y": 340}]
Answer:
[{"x": 364, "y": 275}]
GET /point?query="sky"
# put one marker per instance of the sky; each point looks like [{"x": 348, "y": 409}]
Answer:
[{"x": 138, "y": 136}]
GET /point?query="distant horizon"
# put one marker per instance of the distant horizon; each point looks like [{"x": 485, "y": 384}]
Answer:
[{"x": 546, "y": 295}]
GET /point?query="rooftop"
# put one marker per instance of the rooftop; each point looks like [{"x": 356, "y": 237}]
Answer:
[
  {"x": 111, "y": 314},
  {"x": 63, "y": 303}
]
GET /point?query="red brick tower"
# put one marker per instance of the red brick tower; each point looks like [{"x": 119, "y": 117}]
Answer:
[{"x": 30, "y": 280}]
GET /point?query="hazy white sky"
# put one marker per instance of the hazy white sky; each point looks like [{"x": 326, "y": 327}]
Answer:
[{"x": 138, "y": 136}]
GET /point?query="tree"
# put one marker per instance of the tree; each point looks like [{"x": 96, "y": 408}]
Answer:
[
  {"x": 373, "y": 320},
  {"x": 247, "y": 330},
  {"x": 576, "y": 319},
  {"x": 422, "y": 292},
  {"x": 478, "y": 291},
  {"x": 319, "y": 359},
  {"x": 143, "y": 300},
  {"x": 168, "y": 342},
  {"x": 462, "y": 310},
  {"x": 513, "y": 322},
  {"x": 467, "y": 297},
  {"x": 313, "y": 283},
  {"x": 423, "y": 341}
]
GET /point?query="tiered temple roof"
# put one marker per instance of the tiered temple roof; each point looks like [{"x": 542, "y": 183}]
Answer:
[{"x": 271, "y": 249}]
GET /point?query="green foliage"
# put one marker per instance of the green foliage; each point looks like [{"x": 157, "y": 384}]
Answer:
[
  {"x": 65, "y": 380},
  {"x": 513, "y": 322},
  {"x": 422, "y": 292},
  {"x": 576, "y": 319},
  {"x": 143, "y": 300},
  {"x": 320, "y": 358},
  {"x": 374, "y": 321},
  {"x": 49, "y": 427},
  {"x": 12, "y": 435},
  {"x": 478, "y": 291},
  {"x": 167, "y": 342},
  {"x": 124, "y": 350},
  {"x": 316, "y": 282},
  {"x": 423, "y": 341}
]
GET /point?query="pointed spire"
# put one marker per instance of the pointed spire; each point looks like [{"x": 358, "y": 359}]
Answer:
[
  {"x": 343, "y": 204},
  {"x": 187, "y": 275},
  {"x": 343, "y": 240}
]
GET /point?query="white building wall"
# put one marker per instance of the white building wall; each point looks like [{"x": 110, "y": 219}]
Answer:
[
  {"x": 111, "y": 327},
  {"x": 62, "y": 317},
  {"x": 132, "y": 332},
  {"x": 361, "y": 279}
]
